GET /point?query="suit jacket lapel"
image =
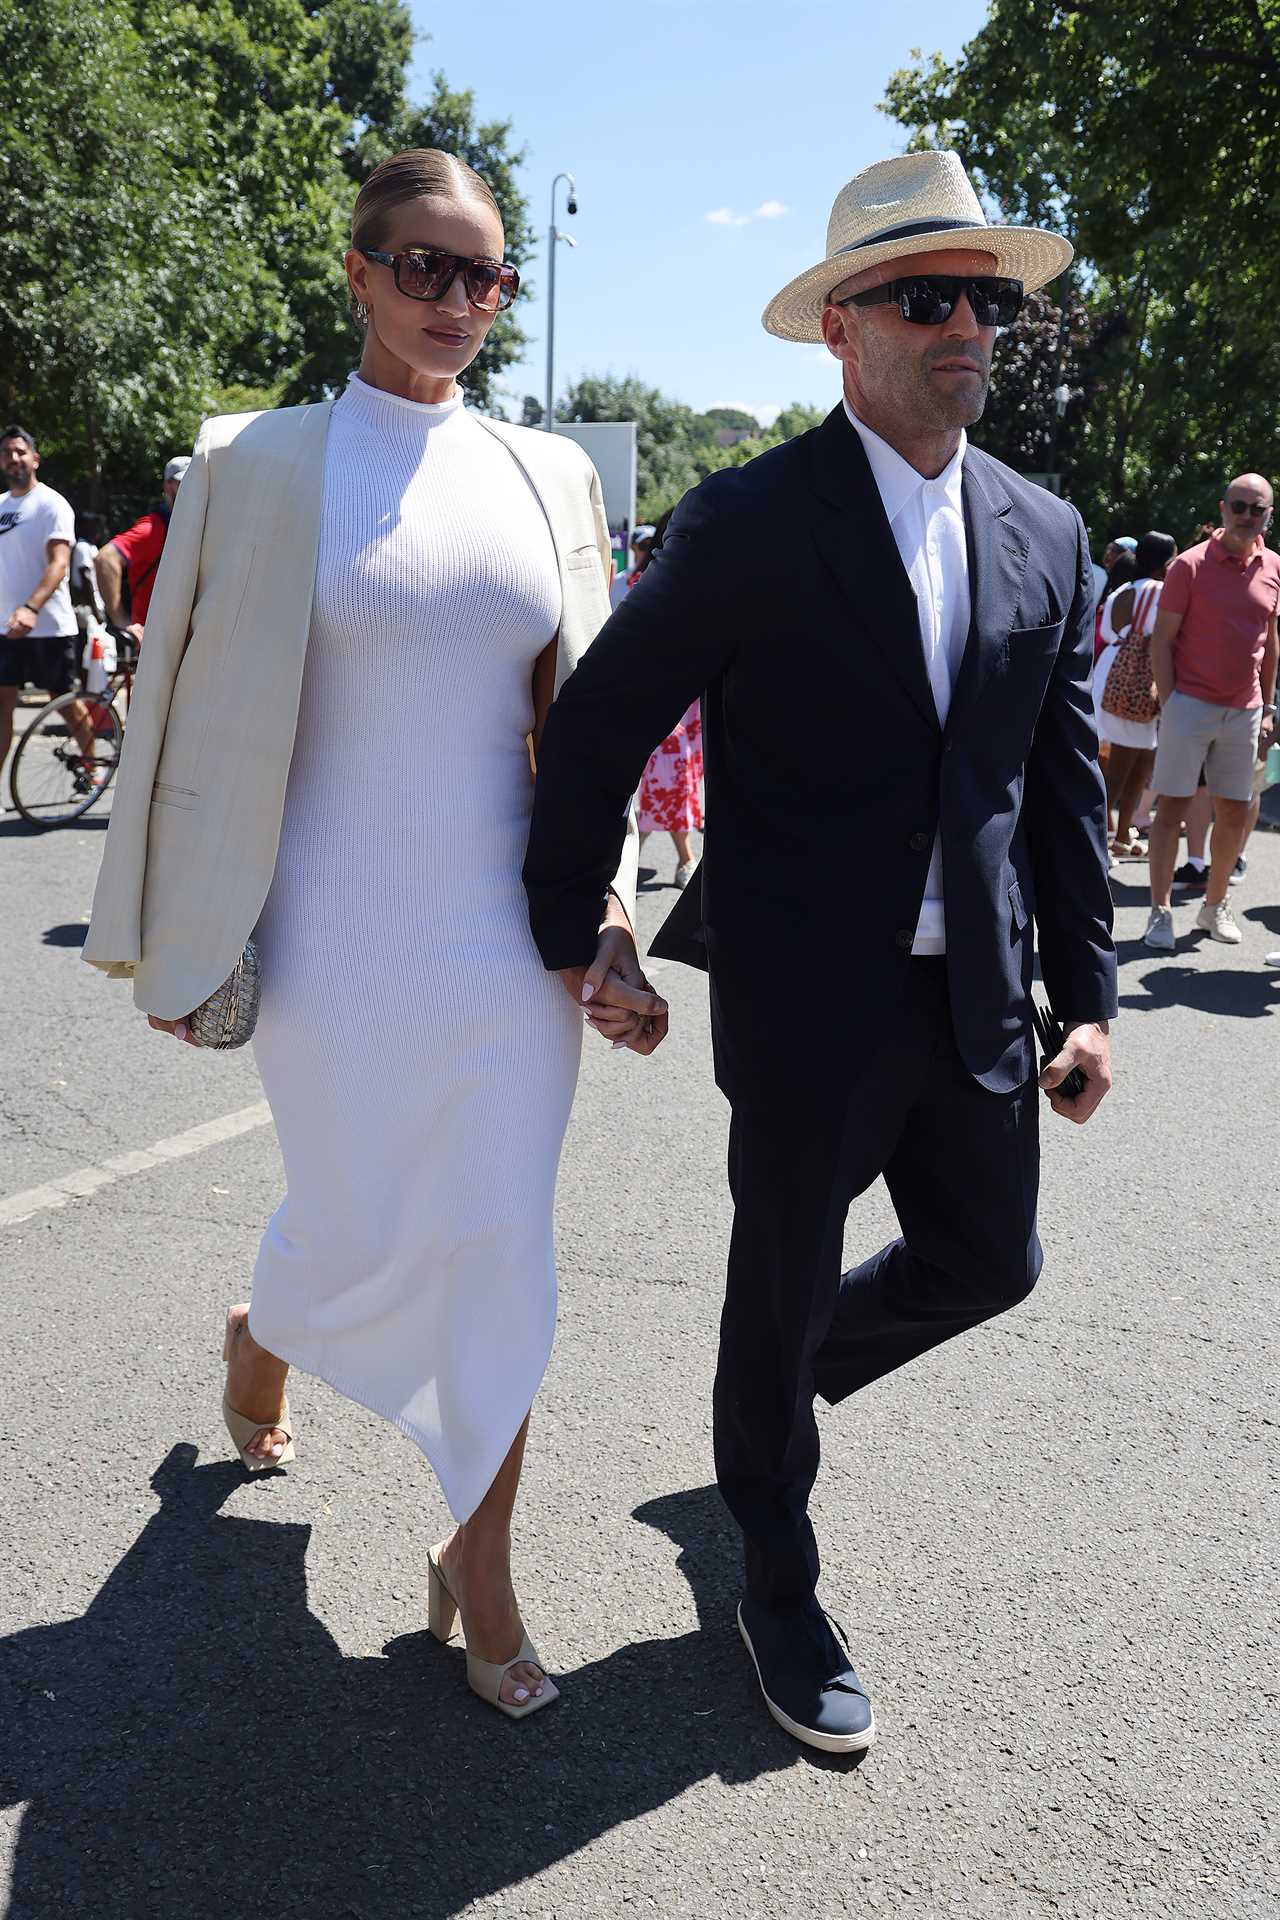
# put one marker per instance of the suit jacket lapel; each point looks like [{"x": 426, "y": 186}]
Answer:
[
  {"x": 856, "y": 542},
  {"x": 997, "y": 561}
]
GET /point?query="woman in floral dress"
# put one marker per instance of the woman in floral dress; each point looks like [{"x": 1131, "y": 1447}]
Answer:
[{"x": 671, "y": 791}]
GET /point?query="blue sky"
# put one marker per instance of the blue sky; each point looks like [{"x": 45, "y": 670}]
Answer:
[{"x": 755, "y": 113}]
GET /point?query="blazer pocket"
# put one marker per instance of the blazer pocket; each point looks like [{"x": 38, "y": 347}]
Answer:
[
  {"x": 164, "y": 795},
  {"x": 1028, "y": 636},
  {"x": 582, "y": 559}
]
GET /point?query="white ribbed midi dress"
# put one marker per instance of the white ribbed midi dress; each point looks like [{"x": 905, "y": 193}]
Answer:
[{"x": 419, "y": 1062}]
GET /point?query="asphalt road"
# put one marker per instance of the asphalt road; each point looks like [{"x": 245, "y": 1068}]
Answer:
[{"x": 1053, "y": 1543}]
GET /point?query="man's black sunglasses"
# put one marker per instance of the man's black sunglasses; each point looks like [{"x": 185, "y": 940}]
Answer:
[
  {"x": 1251, "y": 507},
  {"x": 425, "y": 273},
  {"x": 926, "y": 300}
]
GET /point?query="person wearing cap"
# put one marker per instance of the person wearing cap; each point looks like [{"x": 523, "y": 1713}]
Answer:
[
  {"x": 130, "y": 560},
  {"x": 931, "y": 613},
  {"x": 1122, "y": 544}
]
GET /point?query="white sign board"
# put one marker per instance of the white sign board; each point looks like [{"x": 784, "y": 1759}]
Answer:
[{"x": 610, "y": 445}]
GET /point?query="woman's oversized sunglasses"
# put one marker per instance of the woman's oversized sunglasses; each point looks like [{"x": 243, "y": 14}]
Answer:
[
  {"x": 926, "y": 300},
  {"x": 425, "y": 273}
]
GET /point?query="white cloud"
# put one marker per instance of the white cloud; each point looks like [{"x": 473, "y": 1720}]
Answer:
[{"x": 730, "y": 217}]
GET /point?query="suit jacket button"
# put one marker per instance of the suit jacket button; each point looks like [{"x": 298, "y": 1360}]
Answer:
[
  {"x": 920, "y": 842},
  {"x": 906, "y": 938}
]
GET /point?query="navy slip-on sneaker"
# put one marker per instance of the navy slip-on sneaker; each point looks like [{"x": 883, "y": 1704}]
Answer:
[{"x": 808, "y": 1684}]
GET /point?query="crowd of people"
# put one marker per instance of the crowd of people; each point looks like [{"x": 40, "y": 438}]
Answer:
[
  {"x": 1184, "y": 689},
  {"x": 1185, "y": 672}
]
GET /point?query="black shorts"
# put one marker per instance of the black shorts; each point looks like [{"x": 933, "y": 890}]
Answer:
[{"x": 49, "y": 661}]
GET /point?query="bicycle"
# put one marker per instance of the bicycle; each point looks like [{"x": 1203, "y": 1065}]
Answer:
[{"x": 67, "y": 758}]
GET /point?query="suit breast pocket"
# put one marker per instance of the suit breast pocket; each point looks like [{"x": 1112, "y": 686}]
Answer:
[
  {"x": 1034, "y": 642},
  {"x": 583, "y": 560}
]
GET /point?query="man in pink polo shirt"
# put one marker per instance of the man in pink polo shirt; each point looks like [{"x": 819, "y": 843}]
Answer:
[{"x": 1213, "y": 657}]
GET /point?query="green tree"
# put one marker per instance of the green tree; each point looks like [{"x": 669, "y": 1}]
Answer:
[
  {"x": 736, "y": 419},
  {"x": 176, "y": 203},
  {"x": 675, "y": 446},
  {"x": 122, "y": 294},
  {"x": 796, "y": 419},
  {"x": 1149, "y": 134}
]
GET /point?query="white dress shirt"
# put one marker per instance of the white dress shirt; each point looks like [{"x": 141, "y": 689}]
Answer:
[{"x": 927, "y": 521}]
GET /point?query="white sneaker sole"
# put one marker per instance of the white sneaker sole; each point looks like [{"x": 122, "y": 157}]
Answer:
[
  {"x": 826, "y": 1742},
  {"x": 1159, "y": 946}
]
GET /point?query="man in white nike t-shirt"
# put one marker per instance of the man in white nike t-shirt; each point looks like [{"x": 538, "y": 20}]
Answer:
[{"x": 39, "y": 638}]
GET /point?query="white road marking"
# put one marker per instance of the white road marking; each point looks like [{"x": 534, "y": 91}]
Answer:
[{"x": 17, "y": 1207}]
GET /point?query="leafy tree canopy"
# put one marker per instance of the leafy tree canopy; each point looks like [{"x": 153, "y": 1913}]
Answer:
[
  {"x": 1148, "y": 131},
  {"x": 675, "y": 446},
  {"x": 177, "y": 197}
]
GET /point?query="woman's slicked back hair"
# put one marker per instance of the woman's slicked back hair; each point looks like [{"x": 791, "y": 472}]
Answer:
[{"x": 418, "y": 173}]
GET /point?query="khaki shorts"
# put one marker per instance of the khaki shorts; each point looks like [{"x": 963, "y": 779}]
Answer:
[{"x": 1222, "y": 740}]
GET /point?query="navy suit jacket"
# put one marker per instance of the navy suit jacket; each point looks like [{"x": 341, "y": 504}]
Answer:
[{"x": 779, "y": 596}]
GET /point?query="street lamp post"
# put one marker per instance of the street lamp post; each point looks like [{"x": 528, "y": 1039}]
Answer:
[{"x": 553, "y": 235}]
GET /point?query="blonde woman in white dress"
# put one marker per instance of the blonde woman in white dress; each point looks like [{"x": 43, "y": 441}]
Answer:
[{"x": 362, "y": 615}]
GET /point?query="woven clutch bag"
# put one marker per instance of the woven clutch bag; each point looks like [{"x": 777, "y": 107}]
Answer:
[{"x": 228, "y": 1017}]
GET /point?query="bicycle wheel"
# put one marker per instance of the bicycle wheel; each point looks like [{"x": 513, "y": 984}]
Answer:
[{"x": 66, "y": 759}]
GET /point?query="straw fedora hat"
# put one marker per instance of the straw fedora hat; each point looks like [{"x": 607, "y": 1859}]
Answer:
[{"x": 916, "y": 203}]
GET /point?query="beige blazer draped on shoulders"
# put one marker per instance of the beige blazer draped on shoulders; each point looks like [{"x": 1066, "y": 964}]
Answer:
[{"x": 199, "y": 797}]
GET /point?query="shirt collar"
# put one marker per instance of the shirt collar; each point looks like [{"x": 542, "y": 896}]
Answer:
[
  {"x": 899, "y": 482},
  {"x": 1242, "y": 561}
]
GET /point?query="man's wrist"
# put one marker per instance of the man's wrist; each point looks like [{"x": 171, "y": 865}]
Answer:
[{"x": 30, "y": 609}]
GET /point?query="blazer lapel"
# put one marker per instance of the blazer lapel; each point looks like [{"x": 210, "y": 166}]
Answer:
[
  {"x": 856, "y": 542},
  {"x": 306, "y": 500},
  {"x": 997, "y": 561},
  {"x": 571, "y": 641}
]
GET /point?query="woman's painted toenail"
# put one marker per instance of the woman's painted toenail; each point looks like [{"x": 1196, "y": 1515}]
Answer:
[{"x": 522, "y": 1694}]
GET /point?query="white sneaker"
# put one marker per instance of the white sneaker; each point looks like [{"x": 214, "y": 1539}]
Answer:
[
  {"x": 1159, "y": 933},
  {"x": 685, "y": 872},
  {"x": 1219, "y": 923},
  {"x": 1272, "y": 959}
]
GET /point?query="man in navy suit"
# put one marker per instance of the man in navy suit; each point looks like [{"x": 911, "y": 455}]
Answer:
[{"x": 873, "y": 871}]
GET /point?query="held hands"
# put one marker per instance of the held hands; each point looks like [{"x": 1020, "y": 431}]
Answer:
[
  {"x": 1087, "y": 1046},
  {"x": 613, "y": 993},
  {"x": 178, "y": 1028}
]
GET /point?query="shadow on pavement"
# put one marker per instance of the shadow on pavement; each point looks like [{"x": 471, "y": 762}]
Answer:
[
  {"x": 73, "y": 934},
  {"x": 14, "y": 827},
  {"x": 1268, "y": 917},
  {"x": 1231, "y": 990},
  {"x": 197, "y": 1745}
]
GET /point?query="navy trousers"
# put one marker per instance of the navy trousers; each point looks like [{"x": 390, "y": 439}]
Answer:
[{"x": 962, "y": 1167}]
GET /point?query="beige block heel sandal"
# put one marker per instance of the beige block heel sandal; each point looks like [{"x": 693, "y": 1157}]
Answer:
[
  {"x": 484, "y": 1677},
  {"x": 242, "y": 1430}
]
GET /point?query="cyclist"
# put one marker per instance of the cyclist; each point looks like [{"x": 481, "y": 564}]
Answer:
[
  {"x": 130, "y": 559},
  {"x": 40, "y": 642}
]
